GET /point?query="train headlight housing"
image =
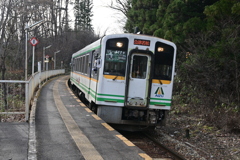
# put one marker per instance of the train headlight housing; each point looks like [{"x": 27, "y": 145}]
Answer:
[
  {"x": 119, "y": 44},
  {"x": 160, "y": 49}
]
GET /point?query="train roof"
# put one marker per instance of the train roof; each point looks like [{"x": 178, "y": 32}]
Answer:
[
  {"x": 97, "y": 43},
  {"x": 89, "y": 47}
]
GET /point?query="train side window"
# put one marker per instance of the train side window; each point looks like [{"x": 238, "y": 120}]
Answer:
[
  {"x": 72, "y": 64},
  {"x": 75, "y": 62},
  {"x": 87, "y": 64},
  {"x": 84, "y": 62},
  {"x": 79, "y": 63},
  {"x": 81, "y": 69},
  {"x": 77, "y": 66},
  {"x": 163, "y": 64}
]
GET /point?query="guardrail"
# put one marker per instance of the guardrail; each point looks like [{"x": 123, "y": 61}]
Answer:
[{"x": 16, "y": 96}]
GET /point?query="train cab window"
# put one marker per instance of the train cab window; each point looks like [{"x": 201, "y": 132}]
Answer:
[
  {"x": 163, "y": 61},
  {"x": 116, "y": 56}
]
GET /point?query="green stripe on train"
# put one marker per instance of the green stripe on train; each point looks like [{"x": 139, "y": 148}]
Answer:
[
  {"x": 160, "y": 99},
  {"x": 110, "y": 95},
  {"x": 160, "y": 103},
  {"x": 110, "y": 100}
]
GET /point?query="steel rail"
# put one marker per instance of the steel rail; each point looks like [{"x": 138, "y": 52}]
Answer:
[{"x": 174, "y": 153}]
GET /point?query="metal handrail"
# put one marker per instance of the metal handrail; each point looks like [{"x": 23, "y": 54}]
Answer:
[{"x": 30, "y": 87}]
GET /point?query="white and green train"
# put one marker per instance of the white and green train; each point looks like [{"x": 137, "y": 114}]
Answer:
[{"x": 127, "y": 79}]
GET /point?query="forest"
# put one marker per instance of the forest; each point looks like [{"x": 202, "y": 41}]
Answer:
[{"x": 206, "y": 32}]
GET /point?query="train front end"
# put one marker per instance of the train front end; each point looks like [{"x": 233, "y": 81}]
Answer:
[{"x": 135, "y": 80}]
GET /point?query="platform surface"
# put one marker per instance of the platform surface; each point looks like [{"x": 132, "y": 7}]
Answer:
[
  {"x": 13, "y": 141},
  {"x": 67, "y": 129}
]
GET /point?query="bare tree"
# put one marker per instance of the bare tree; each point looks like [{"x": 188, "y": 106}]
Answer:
[
  {"x": 121, "y": 5},
  {"x": 6, "y": 7},
  {"x": 16, "y": 14},
  {"x": 7, "y": 34}
]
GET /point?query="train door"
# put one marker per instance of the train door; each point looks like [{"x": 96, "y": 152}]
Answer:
[
  {"x": 93, "y": 72},
  {"x": 137, "y": 88}
]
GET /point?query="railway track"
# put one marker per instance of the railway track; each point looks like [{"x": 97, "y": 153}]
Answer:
[{"x": 151, "y": 146}]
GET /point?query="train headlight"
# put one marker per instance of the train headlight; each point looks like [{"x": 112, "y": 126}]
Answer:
[
  {"x": 119, "y": 44},
  {"x": 160, "y": 49}
]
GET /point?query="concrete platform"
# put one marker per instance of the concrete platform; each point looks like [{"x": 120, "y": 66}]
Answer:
[
  {"x": 67, "y": 129},
  {"x": 13, "y": 141}
]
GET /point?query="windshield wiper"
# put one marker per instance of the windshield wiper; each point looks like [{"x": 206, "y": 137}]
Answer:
[
  {"x": 115, "y": 77},
  {"x": 160, "y": 81}
]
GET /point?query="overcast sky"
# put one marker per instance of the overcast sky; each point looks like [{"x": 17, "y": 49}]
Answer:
[{"x": 105, "y": 20}]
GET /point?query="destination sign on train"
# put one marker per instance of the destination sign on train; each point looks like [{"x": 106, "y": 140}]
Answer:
[{"x": 141, "y": 42}]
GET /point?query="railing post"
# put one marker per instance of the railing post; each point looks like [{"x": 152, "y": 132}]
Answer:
[{"x": 26, "y": 100}]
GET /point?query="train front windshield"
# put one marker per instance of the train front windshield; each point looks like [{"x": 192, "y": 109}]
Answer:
[
  {"x": 116, "y": 57},
  {"x": 163, "y": 64}
]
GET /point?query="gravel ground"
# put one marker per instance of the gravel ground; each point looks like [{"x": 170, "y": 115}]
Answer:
[
  {"x": 12, "y": 118},
  {"x": 195, "y": 140}
]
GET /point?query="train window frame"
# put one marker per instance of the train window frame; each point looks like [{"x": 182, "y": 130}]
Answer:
[
  {"x": 115, "y": 59},
  {"x": 163, "y": 61}
]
